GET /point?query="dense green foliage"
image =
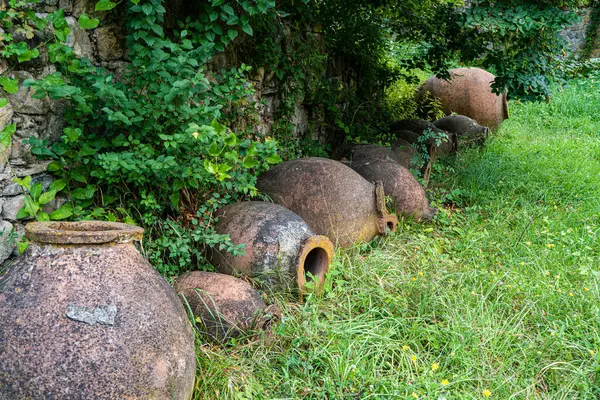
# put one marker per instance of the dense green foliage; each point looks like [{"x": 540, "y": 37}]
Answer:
[
  {"x": 171, "y": 138},
  {"x": 497, "y": 296}
]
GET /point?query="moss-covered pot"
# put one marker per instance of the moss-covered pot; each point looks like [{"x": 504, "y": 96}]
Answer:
[
  {"x": 281, "y": 249},
  {"x": 334, "y": 200},
  {"x": 84, "y": 316}
]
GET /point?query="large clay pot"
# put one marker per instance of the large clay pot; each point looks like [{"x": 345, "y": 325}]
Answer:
[
  {"x": 467, "y": 130},
  {"x": 84, "y": 316},
  {"x": 371, "y": 152},
  {"x": 280, "y": 248},
  {"x": 406, "y": 154},
  {"x": 334, "y": 200},
  {"x": 407, "y": 194},
  {"x": 227, "y": 306},
  {"x": 469, "y": 92},
  {"x": 411, "y": 130}
]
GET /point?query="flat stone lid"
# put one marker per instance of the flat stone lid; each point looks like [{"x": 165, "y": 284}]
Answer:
[{"x": 82, "y": 232}]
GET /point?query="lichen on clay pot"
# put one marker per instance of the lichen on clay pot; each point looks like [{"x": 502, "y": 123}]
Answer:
[
  {"x": 84, "y": 316},
  {"x": 282, "y": 251},
  {"x": 407, "y": 194},
  {"x": 469, "y": 92},
  {"x": 334, "y": 200},
  {"x": 226, "y": 306}
]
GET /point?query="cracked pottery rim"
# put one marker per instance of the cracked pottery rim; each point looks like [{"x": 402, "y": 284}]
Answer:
[{"x": 82, "y": 232}]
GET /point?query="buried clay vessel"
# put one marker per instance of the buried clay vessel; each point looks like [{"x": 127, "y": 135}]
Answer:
[
  {"x": 84, "y": 316},
  {"x": 281, "y": 250},
  {"x": 334, "y": 200},
  {"x": 227, "y": 306},
  {"x": 469, "y": 92},
  {"x": 407, "y": 194}
]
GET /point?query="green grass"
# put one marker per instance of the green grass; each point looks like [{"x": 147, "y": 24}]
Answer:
[{"x": 501, "y": 291}]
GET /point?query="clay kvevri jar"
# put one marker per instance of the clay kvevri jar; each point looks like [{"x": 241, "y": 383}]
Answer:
[
  {"x": 466, "y": 129},
  {"x": 407, "y": 194},
  {"x": 469, "y": 92},
  {"x": 334, "y": 200},
  {"x": 227, "y": 306},
  {"x": 84, "y": 316},
  {"x": 281, "y": 249}
]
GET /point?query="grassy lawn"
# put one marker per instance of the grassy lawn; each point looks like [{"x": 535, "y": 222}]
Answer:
[{"x": 499, "y": 296}]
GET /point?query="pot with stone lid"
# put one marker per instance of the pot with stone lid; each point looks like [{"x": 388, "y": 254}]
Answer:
[{"x": 84, "y": 316}]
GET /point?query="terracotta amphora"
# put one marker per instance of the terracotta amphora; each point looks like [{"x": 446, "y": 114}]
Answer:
[
  {"x": 469, "y": 92},
  {"x": 281, "y": 250},
  {"x": 334, "y": 200}
]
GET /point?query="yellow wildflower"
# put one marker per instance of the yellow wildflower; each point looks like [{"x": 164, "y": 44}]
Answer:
[
  {"x": 550, "y": 245},
  {"x": 435, "y": 366},
  {"x": 413, "y": 357},
  {"x": 405, "y": 347},
  {"x": 414, "y": 395},
  {"x": 487, "y": 393},
  {"x": 592, "y": 352},
  {"x": 414, "y": 279},
  {"x": 445, "y": 382},
  {"x": 195, "y": 135},
  {"x": 420, "y": 273},
  {"x": 586, "y": 289},
  {"x": 571, "y": 294}
]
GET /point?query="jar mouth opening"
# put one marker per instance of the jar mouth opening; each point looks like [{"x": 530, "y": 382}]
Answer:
[{"x": 82, "y": 232}]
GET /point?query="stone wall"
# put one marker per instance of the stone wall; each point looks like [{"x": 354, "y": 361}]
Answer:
[
  {"x": 576, "y": 34},
  {"x": 43, "y": 119}
]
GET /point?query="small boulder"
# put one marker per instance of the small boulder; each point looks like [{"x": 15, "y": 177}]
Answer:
[{"x": 227, "y": 306}]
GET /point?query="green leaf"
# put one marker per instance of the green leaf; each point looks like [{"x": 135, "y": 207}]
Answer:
[
  {"x": 247, "y": 29},
  {"x": 147, "y": 8},
  {"x": 58, "y": 185},
  {"x": 249, "y": 162},
  {"x": 105, "y": 5},
  {"x": 54, "y": 166},
  {"x": 86, "y": 22},
  {"x": 232, "y": 33},
  {"x": 24, "y": 183},
  {"x": 11, "y": 86},
  {"x": 22, "y": 213},
  {"x": 3, "y": 102},
  {"x": 42, "y": 216},
  {"x": 31, "y": 206},
  {"x": 5, "y": 135},
  {"x": 22, "y": 246},
  {"x": 36, "y": 191},
  {"x": 63, "y": 212},
  {"x": 47, "y": 197},
  {"x": 214, "y": 150},
  {"x": 274, "y": 159}
]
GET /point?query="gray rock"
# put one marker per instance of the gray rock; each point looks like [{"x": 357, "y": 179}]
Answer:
[
  {"x": 22, "y": 102},
  {"x": 6, "y": 245},
  {"x": 110, "y": 44},
  {"x": 11, "y": 207},
  {"x": 79, "y": 40},
  {"x": 104, "y": 315}
]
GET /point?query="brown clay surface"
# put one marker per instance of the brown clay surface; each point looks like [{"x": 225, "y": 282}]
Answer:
[
  {"x": 334, "y": 200},
  {"x": 91, "y": 322},
  {"x": 369, "y": 152},
  {"x": 466, "y": 129},
  {"x": 408, "y": 195},
  {"x": 469, "y": 92},
  {"x": 277, "y": 242},
  {"x": 405, "y": 153},
  {"x": 227, "y": 306}
]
